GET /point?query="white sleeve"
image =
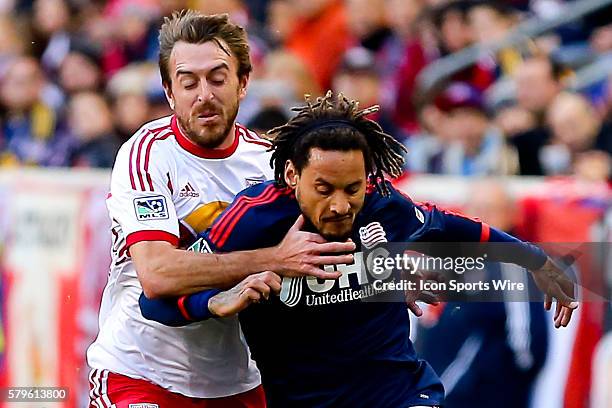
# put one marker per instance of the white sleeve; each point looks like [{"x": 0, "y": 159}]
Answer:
[{"x": 140, "y": 199}]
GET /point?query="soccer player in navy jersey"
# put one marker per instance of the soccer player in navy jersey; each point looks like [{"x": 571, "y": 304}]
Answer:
[{"x": 318, "y": 344}]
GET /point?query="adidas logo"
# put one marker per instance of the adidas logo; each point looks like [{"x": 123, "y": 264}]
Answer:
[{"x": 188, "y": 191}]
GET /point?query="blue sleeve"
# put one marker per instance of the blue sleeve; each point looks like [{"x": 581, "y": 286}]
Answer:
[
  {"x": 427, "y": 223},
  {"x": 177, "y": 311}
]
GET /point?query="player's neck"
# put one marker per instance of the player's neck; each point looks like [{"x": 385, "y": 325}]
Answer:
[{"x": 228, "y": 140}]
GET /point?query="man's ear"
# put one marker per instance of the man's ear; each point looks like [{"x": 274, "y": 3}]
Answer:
[
  {"x": 169, "y": 96},
  {"x": 243, "y": 82},
  {"x": 291, "y": 174}
]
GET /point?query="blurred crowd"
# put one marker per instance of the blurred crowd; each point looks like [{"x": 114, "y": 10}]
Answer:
[{"x": 79, "y": 77}]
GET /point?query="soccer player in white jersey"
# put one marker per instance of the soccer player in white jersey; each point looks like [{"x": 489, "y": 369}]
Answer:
[{"x": 169, "y": 182}]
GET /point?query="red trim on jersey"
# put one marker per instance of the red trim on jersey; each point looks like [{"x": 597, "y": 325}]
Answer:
[
  {"x": 148, "y": 153},
  {"x": 109, "y": 195},
  {"x": 183, "y": 308},
  {"x": 151, "y": 235},
  {"x": 220, "y": 225},
  {"x": 122, "y": 250},
  {"x": 485, "y": 232},
  {"x": 140, "y": 178},
  {"x": 170, "y": 184},
  {"x": 258, "y": 142},
  {"x": 149, "y": 136},
  {"x": 430, "y": 207},
  {"x": 200, "y": 151},
  {"x": 273, "y": 196},
  {"x": 252, "y": 137},
  {"x": 130, "y": 166}
]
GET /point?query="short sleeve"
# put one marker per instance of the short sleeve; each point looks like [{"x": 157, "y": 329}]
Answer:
[{"x": 140, "y": 200}]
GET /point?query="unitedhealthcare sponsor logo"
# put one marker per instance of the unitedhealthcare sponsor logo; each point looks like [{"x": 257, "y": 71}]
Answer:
[{"x": 316, "y": 293}]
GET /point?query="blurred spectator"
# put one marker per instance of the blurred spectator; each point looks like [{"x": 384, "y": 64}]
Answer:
[
  {"x": 490, "y": 22},
  {"x": 426, "y": 150},
  {"x": 400, "y": 61},
  {"x": 91, "y": 122},
  {"x": 267, "y": 119},
  {"x": 50, "y": 32},
  {"x": 12, "y": 42},
  {"x": 581, "y": 141},
  {"x": 538, "y": 82},
  {"x": 598, "y": 27},
  {"x": 128, "y": 91},
  {"x": 455, "y": 34},
  {"x": 281, "y": 21},
  {"x": 80, "y": 69},
  {"x": 477, "y": 147},
  {"x": 358, "y": 79},
  {"x": 287, "y": 67},
  {"x": 454, "y": 29},
  {"x": 367, "y": 23},
  {"x": 601, "y": 39},
  {"x": 513, "y": 119},
  {"x": 158, "y": 105},
  {"x": 319, "y": 37},
  {"x": 487, "y": 353},
  {"x": 284, "y": 83},
  {"x": 30, "y": 128},
  {"x": 134, "y": 28}
]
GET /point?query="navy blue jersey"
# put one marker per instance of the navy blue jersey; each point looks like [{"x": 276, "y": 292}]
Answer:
[{"x": 318, "y": 344}]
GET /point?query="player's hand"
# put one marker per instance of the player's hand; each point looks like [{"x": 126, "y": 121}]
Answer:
[
  {"x": 429, "y": 297},
  {"x": 301, "y": 253},
  {"x": 252, "y": 289},
  {"x": 551, "y": 280}
]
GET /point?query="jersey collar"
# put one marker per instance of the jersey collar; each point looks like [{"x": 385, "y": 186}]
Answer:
[{"x": 200, "y": 151}]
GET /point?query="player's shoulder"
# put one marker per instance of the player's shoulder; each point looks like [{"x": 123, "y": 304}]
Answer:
[
  {"x": 145, "y": 151},
  {"x": 392, "y": 199},
  {"x": 147, "y": 137},
  {"x": 251, "y": 140},
  {"x": 256, "y": 214},
  {"x": 395, "y": 212},
  {"x": 262, "y": 196}
]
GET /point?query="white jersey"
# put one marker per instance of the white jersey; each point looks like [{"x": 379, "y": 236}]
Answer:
[{"x": 166, "y": 188}]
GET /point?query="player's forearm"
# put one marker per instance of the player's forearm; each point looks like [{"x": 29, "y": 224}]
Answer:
[
  {"x": 177, "y": 311},
  {"x": 175, "y": 272},
  {"x": 515, "y": 251},
  {"x": 461, "y": 229}
]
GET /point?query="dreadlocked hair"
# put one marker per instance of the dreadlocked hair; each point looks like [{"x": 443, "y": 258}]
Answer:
[{"x": 382, "y": 153}]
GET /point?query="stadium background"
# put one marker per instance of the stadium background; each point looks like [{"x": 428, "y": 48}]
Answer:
[{"x": 474, "y": 89}]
